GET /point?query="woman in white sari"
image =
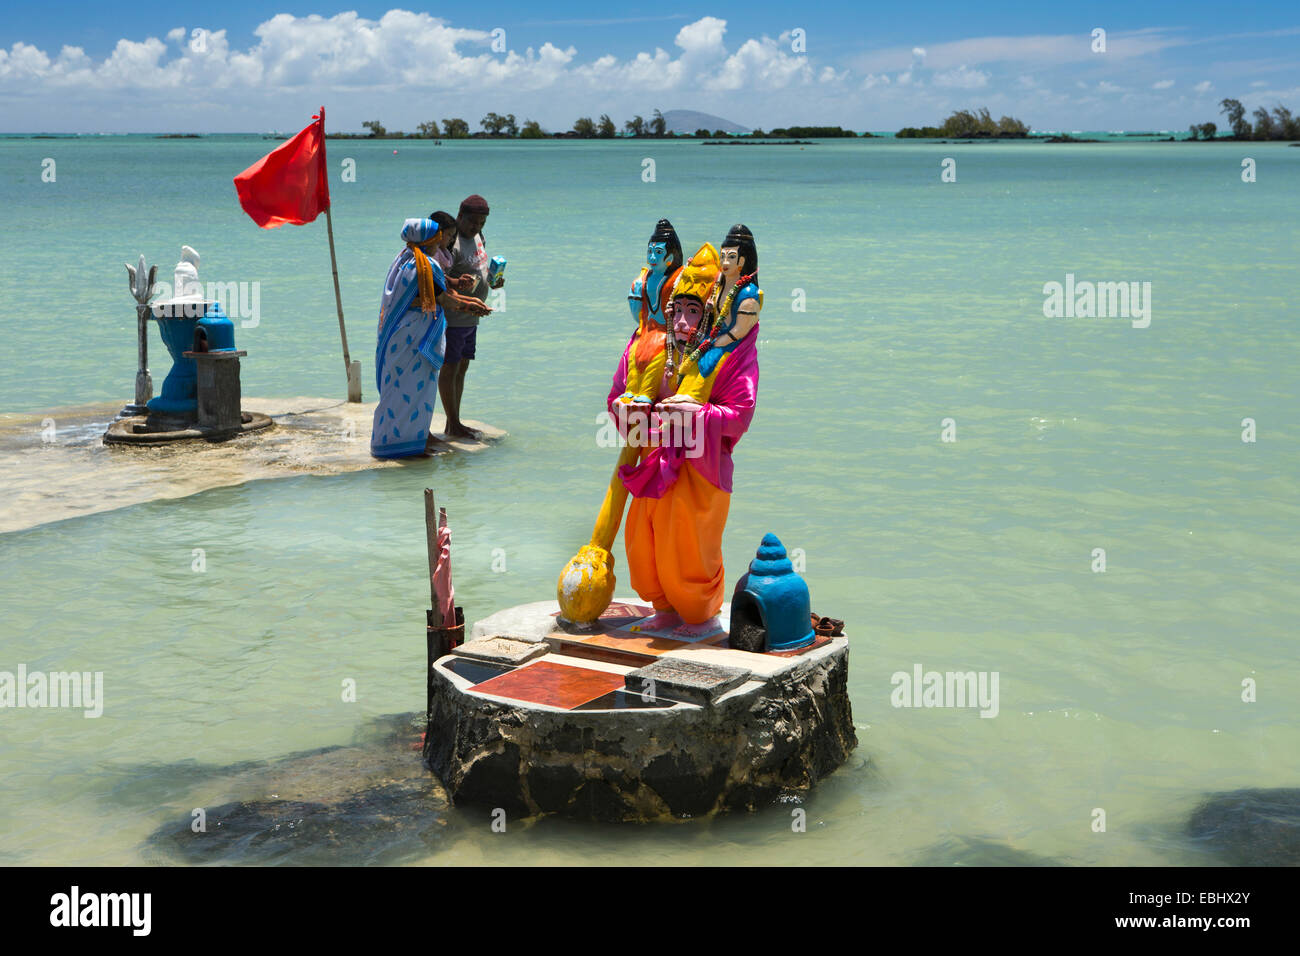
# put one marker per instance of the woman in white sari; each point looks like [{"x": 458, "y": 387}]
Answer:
[{"x": 412, "y": 341}]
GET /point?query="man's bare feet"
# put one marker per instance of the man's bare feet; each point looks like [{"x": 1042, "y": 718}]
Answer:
[{"x": 460, "y": 430}]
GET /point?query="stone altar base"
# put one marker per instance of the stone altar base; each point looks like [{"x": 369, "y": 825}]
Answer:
[{"x": 617, "y": 724}]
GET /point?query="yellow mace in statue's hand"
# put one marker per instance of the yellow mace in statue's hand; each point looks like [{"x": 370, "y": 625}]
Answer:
[{"x": 586, "y": 585}]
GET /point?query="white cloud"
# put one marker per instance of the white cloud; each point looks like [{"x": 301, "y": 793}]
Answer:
[
  {"x": 403, "y": 50},
  {"x": 764, "y": 65},
  {"x": 702, "y": 36},
  {"x": 962, "y": 78},
  {"x": 1203, "y": 87},
  {"x": 23, "y": 61},
  {"x": 406, "y": 67},
  {"x": 1049, "y": 50},
  {"x": 73, "y": 59},
  {"x": 645, "y": 70},
  {"x": 133, "y": 63}
]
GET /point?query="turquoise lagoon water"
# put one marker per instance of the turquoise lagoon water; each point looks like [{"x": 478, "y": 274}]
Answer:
[{"x": 924, "y": 301}]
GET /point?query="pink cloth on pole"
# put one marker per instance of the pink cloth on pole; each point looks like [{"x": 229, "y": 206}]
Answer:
[{"x": 442, "y": 573}]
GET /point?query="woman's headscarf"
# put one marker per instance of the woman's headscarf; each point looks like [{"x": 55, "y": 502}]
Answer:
[{"x": 416, "y": 232}]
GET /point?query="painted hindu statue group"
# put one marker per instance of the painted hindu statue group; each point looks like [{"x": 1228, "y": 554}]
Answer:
[{"x": 683, "y": 395}]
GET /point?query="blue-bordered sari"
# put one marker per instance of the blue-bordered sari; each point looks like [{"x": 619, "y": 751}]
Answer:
[{"x": 409, "y": 353}]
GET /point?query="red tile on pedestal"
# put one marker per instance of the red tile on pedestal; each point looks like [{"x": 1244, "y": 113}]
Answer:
[{"x": 556, "y": 685}]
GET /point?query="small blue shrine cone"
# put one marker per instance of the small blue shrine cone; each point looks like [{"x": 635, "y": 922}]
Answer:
[{"x": 770, "y": 609}]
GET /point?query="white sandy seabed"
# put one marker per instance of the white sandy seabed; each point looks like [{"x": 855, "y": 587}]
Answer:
[{"x": 55, "y": 465}]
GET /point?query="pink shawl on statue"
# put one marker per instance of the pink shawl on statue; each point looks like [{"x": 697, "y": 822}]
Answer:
[{"x": 715, "y": 428}]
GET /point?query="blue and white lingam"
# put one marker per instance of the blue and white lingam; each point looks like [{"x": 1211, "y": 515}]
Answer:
[{"x": 771, "y": 596}]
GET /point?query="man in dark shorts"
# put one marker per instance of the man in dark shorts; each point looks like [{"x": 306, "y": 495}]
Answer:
[{"x": 468, "y": 275}]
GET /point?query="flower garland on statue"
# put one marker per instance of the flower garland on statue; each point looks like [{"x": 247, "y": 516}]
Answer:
[{"x": 714, "y": 331}]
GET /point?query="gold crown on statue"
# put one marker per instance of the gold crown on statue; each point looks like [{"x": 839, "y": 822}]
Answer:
[{"x": 699, "y": 274}]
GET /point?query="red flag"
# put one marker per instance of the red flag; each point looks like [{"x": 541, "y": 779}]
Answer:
[{"x": 288, "y": 184}]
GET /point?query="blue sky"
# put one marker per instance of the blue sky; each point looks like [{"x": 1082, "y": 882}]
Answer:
[{"x": 73, "y": 66}]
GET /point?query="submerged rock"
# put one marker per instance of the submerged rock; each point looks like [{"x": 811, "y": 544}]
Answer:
[
  {"x": 381, "y": 825},
  {"x": 977, "y": 851},
  {"x": 1250, "y": 827},
  {"x": 370, "y": 803}
]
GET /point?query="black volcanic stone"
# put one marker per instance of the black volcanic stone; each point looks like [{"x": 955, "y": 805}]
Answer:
[
  {"x": 681, "y": 785},
  {"x": 552, "y": 787},
  {"x": 1250, "y": 827},
  {"x": 493, "y": 780},
  {"x": 597, "y": 800}
]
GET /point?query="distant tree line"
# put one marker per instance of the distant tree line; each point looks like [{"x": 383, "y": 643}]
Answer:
[
  {"x": 963, "y": 124},
  {"x": 1279, "y": 124},
  {"x": 496, "y": 126},
  {"x": 822, "y": 132},
  {"x": 657, "y": 128}
]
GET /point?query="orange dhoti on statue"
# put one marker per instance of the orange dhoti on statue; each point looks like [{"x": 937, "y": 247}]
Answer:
[{"x": 674, "y": 547}]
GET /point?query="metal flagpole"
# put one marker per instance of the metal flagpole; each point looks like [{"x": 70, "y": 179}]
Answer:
[{"x": 353, "y": 369}]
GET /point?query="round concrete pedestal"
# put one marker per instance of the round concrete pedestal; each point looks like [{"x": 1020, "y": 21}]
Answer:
[
  {"x": 136, "y": 430},
  {"x": 610, "y": 724}
]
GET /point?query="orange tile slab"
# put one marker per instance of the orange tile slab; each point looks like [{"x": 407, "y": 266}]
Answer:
[
  {"x": 556, "y": 685},
  {"x": 628, "y": 643}
]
